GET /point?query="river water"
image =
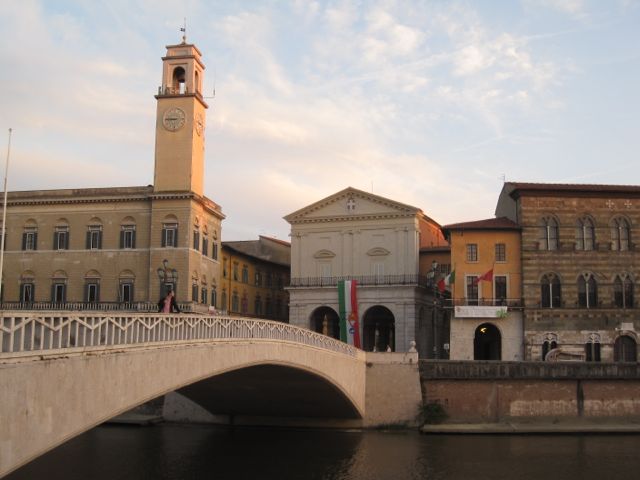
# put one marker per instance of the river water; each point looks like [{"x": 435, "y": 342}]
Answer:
[{"x": 170, "y": 451}]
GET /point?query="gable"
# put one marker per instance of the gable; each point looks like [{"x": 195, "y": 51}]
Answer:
[{"x": 351, "y": 204}]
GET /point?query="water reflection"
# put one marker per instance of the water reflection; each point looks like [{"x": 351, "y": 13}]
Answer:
[{"x": 183, "y": 451}]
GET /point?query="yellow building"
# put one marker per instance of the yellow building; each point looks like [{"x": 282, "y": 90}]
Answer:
[
  {"x": 122, "y": 247},
  {"x": 254, "y": 275},
  {"x": 486, "y": 290}
]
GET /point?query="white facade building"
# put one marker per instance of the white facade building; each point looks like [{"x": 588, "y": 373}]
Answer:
[{"x": 355, "y": 235}]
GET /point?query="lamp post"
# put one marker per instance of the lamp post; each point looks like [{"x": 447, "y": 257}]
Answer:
[
  {"x": 168, "y": 277},
  {"x": 4, "y": 212}
]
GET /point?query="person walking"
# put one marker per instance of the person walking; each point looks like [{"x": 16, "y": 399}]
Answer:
[{"x": 168, "y": 304}]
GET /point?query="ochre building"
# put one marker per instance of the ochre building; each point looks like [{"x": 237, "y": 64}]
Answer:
[
  {"x": 254, "y": 276},
  {"x": 122, "y": 246},
  {"x": 485, "y": 294}
]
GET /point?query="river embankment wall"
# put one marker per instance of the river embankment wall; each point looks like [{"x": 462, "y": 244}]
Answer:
[{"x": 495, "y": 392}]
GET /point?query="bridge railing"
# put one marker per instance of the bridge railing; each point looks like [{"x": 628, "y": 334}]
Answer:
[{"x": 35, "y": 332}]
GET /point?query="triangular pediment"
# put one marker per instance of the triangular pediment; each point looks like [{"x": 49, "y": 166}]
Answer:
[{"x": 351, "y": 203}]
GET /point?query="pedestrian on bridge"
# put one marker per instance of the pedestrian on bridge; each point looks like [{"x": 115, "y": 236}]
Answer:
[{"x": 168, "y": 304}]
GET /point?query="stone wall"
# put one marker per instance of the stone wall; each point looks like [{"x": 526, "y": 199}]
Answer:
[{"x": 488, "y": 392}]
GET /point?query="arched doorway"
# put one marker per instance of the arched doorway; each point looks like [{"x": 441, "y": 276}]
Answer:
[
  {"x": 487, "y": 344},
  {"x": 325, "y": 320},
  {"x": 625, "y": 349},
  {"x": 378, "y": 330}
]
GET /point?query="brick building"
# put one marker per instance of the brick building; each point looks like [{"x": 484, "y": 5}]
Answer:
[{"x": 580, "y": 268}]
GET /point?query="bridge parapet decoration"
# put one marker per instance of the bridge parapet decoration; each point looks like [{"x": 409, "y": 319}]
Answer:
[{"x": 27, "y": 333}]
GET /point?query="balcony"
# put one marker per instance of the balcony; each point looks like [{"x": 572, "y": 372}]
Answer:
[
  {"x": 363, "y": 280},
  {"x": 515, "y": 303}
]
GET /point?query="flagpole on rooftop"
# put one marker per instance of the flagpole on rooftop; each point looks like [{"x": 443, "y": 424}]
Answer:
[{"x": 4, "y": 212}]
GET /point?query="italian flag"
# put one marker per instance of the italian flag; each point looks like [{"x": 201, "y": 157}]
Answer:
[
  {"x": 447, "y": 281},
  {"x": 349, "y": 325}
]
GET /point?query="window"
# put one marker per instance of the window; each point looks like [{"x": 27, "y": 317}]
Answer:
[
  {"x": 585, "y": 234},
  {"x": 267, "y": 307},
  {"x": 58, "y": 292},
  {"x": 500, "y": 289},
  {"x": 235, "y": 302},
  {"x": 472, "y": 252},
  {"x": 223, "y": 300},
  {"x": 224, "y": 267},
  {"x": 245, "y": 274},
  {"x": 587, "y": 291},
  {"x": 244, "y": 304},
  {"x": 196, "y": 239},
  {"x": 214, "y": 296},
  {"x": 258, "y": 278},
  {"x": 378, "y": 269},
  {"x": 270, "y": 276},
  {"x": 235, "y": 271},
  {"x": 203, "y": 296},
  {"x": 324, "y": 267},
  {"x": 30, "y": 238},
  {"x": 592, "y": 348},
  {"x": 27, "y": 292},
  {"x": 501, "y": 252},
  {"x": 170, "y": 235},
  {"x": 549, "y": 234},
  {"x": 214, "y": 250},
  {"x": 549, "y": 343},
  {"x": 126, "y": 292},
  {"x": 194, "y": 292},
  {"x": 205, "y": 245},
  {"x": 472, "y": 289},
  {"x": 623, "y": 291},
  {"x": 94, "y": 237},
  {"x": 550, "y": 293},
  {"x": 620, "y": 234},
  {"x": 61, "y": 238},
  {"x": 92, "y": 291},
  {"x": 257, "y": 306},
  {"x": 128, "y": 236}
]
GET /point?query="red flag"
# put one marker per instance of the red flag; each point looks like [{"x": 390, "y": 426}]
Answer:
[{"x": 487, "y": 276}]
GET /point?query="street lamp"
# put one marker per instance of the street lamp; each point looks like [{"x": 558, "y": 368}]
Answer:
[{"x": 168, "y": 277}]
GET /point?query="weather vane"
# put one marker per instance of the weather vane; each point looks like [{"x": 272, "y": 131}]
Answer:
[{"x": 184, "y": 31}]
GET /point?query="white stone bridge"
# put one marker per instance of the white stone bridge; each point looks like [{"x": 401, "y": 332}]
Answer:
[{"x": 62, "y": 373}]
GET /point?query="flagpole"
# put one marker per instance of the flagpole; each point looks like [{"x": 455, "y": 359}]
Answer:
[{"x": 4, "y": 212}]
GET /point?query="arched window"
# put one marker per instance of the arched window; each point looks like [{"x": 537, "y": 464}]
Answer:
[
  {"x": 94, "y": 234},
  {"x": 61, "y": 235},
  {"x": 587, "y": 291},
  {"x": 214, "y": 296},
  {"x": 59, "y": 287},
  {"x": 196, "y": 234},
  {"x": 223, "y": 300},
  {"x": 244, "y": 303},
  {"x": 245, "y": 274},
  {"x": 92, "y": 287},
  {"x": 128, "y": 233},
  {"x": 623, "y": 291},
  {"x": 550, "y": 342},
  {"x": 625, "y": 349},
  {"x": 585, "y": 234},
  {"x": 178, "y": 85},
  {"x": 549, "y": 234},
  {"x": 30, "y": 235},
  {"x": 27, "y": 287},
  {"x": 550, "y": 291},
  {"x": 257, "y": 305},
  {"x": 620, "y": 234},
  {"x": 126, "y": 283},
  {"x": 592, "y": 348}
]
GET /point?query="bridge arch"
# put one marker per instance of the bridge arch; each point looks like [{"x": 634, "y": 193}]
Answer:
[{"x": 65, "y": 390}]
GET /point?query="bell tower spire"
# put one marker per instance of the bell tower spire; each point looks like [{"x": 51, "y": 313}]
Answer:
[{"x": 180, "y": 121}]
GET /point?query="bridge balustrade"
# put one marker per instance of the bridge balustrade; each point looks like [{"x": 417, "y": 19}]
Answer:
[{"x": 33, "y": 332}]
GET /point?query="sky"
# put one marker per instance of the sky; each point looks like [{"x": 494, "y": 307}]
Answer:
[{"x": 429, "y": 103}]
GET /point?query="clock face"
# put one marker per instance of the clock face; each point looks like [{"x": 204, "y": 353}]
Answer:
[
  {"x": 173, "y": 119},
  {"x": 199, "y": 124}
]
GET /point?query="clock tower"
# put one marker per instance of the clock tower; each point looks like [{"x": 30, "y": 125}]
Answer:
[{"x": 180, "y": 122}]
